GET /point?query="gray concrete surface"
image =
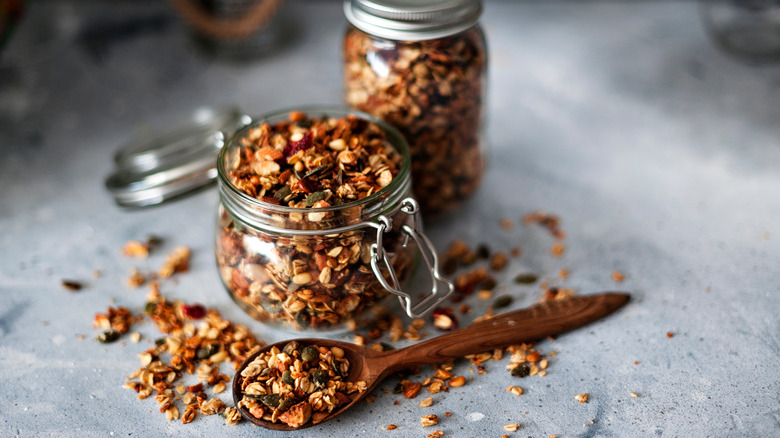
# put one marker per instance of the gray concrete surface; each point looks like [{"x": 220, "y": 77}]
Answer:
[{"x": 660, "y": 154}]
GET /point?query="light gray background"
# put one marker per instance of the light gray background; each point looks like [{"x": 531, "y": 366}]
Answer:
[{"x": 660, "y": 154}]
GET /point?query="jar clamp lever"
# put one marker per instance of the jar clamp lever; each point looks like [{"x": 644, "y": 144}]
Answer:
[{"x": 379, "y": 260}]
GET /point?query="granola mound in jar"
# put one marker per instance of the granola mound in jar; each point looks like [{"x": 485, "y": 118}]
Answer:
[
  {"x": 295, "y": 190},
  {"x": 429, "y": 87}
]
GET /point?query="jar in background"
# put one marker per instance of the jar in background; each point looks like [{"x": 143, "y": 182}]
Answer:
[
  {"x": 422, "y": 68},
  {"x": 749, "y": 29},
  {"x": 301, "y": 258}
]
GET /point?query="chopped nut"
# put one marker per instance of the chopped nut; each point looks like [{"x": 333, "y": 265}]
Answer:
[
  {"x": 427, "y": 402},
  {"x": 411, "y": 389},
  {"x": 391, "y": 427},
  {"x": 429, "y": 420},
  {"x": 511, "y": 427},
  {"x": 516, "y": 390},
  {"x": 634, "y": 395},
  {"x": 582, "y": 398},
  {"x": 457, "y": 381}
]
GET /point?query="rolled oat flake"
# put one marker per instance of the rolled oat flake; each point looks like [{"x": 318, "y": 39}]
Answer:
[
  {"x": 412, "y": 19},
  {"x": 173, "y": 161}
]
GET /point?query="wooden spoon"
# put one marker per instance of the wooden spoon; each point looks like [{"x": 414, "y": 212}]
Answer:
[{"x": 501, "y": 331}]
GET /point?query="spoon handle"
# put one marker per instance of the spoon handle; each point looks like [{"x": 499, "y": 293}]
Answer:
[{"x": 507, "y": 329}]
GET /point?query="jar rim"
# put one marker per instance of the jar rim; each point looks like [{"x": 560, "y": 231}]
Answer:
[{"x": 395, "y": 139}]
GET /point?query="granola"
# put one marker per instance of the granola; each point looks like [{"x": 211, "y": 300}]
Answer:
[
  {"x": 196, "y": 350},
  {"x": 299, "y": 384},
  {"x": 433, "y": 92},
  {"x": 318, "y": 170}
]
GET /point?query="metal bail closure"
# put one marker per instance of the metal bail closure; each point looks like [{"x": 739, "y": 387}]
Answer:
[{"x": 379, "y": 259}]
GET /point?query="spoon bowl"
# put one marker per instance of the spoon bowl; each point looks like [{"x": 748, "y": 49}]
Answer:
[{"x": 500, "y": 331}]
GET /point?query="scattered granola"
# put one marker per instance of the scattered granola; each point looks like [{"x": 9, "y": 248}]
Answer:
[
  {"x": 427, "y": 402},
  {"x": 432, "y": 91},
  {"x": 298, "y": 384},
  {"x": 135, "y": 279},
  {"x": 72, "y": 285},
  {"x": 317, "y": 166},
  {"x": 582, "y": 398},
  {"x": 634, "y": 395},
  {"x": 429, "y": 420},
  {"x": 516, "y": 390},
  {"x": 618, "y": 276},
  {"x": 436, "y": 434},
  {"x": 191, "y": 349},
  {"x": 115, "y": 322},
  {"x": 176, "y": 261},
  {"x": 391, "y": 427},
  {"x": 511, "y": 427}
]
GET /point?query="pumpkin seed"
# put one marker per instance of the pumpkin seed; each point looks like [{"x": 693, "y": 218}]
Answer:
[
  {"x": 310, "y": 353},
  {"x": 315, "y": 197},
  {"x": 526, "y": 278},
  {"x": 108, "y": 336},
  {"x": 272, "y": 400},
  {"x": 521, "y": 370},
  {"x": 291, "y": 348},
  {"x": 502, "y": 301}
]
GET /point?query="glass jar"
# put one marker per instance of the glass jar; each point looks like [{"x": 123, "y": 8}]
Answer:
[
  {"x": 749, "y": 29},
  {"x": 324, "y": 268},
  {"x": 422, "y": 68}
]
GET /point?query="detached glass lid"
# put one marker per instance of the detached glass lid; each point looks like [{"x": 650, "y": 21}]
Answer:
[{"x": 172, "y": 162}]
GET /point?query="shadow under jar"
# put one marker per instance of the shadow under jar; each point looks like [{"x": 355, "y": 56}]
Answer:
[
  {"x": 422, "y": 68},
  {"x": 315, "y": 225}
]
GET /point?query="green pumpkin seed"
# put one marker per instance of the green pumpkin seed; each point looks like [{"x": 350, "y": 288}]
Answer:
[
  {"x": 526, "y": 278},
  {"x": 207, "y": 351},
  {"x": 291, "y": 348},
  {"x": 287, "y": 378},
  {"x": 521, "y": 370},
  {"x": 320, "y": 378},
  {"x": 315, "y": 197},
  {"x": 502, "y": 301},
  {"x": 272, "y": 400},
  {"x": 108, "y": 336},
  {"x": 287, "y": 404},
  {"x": 310, "y": 353}
]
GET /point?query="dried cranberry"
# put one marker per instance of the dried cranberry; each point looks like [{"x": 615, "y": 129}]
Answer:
[
  {"x": 308, "y": 185},
  {"x": 194, "y": 311},
  {"x": 293, "y": 147}
]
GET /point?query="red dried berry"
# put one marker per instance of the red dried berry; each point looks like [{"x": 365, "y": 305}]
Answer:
[
  {"x": 194, "y": 311},
  {"x": 293, "y": 147},
  {"x": 308, "y": 185}
]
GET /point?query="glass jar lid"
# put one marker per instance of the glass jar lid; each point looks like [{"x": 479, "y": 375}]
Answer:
[
  {"x": 169, "y": 163},
  {"x": 412, "y": 20}
]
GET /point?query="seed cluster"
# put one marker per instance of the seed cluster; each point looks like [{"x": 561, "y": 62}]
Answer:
[
  {"x": 310, "y": 282},
  {"x": 432, "y": 91},
  {"x": 296, "y": 385}
]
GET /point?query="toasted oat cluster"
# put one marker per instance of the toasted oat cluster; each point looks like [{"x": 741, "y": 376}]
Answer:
[
  {"x": 190, "y": 347},
  {"x": 432, "y": 91},
  {"x": 324, "y": 281},
  {"x": 299, "y": 384}
]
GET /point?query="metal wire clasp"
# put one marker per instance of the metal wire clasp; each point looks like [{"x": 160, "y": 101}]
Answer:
[{"x": 380, "y": 259}]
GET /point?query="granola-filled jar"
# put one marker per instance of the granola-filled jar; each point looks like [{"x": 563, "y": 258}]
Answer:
[
  {"x": 315, "y": 226},
  {"x": 422, "y": 68}
]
